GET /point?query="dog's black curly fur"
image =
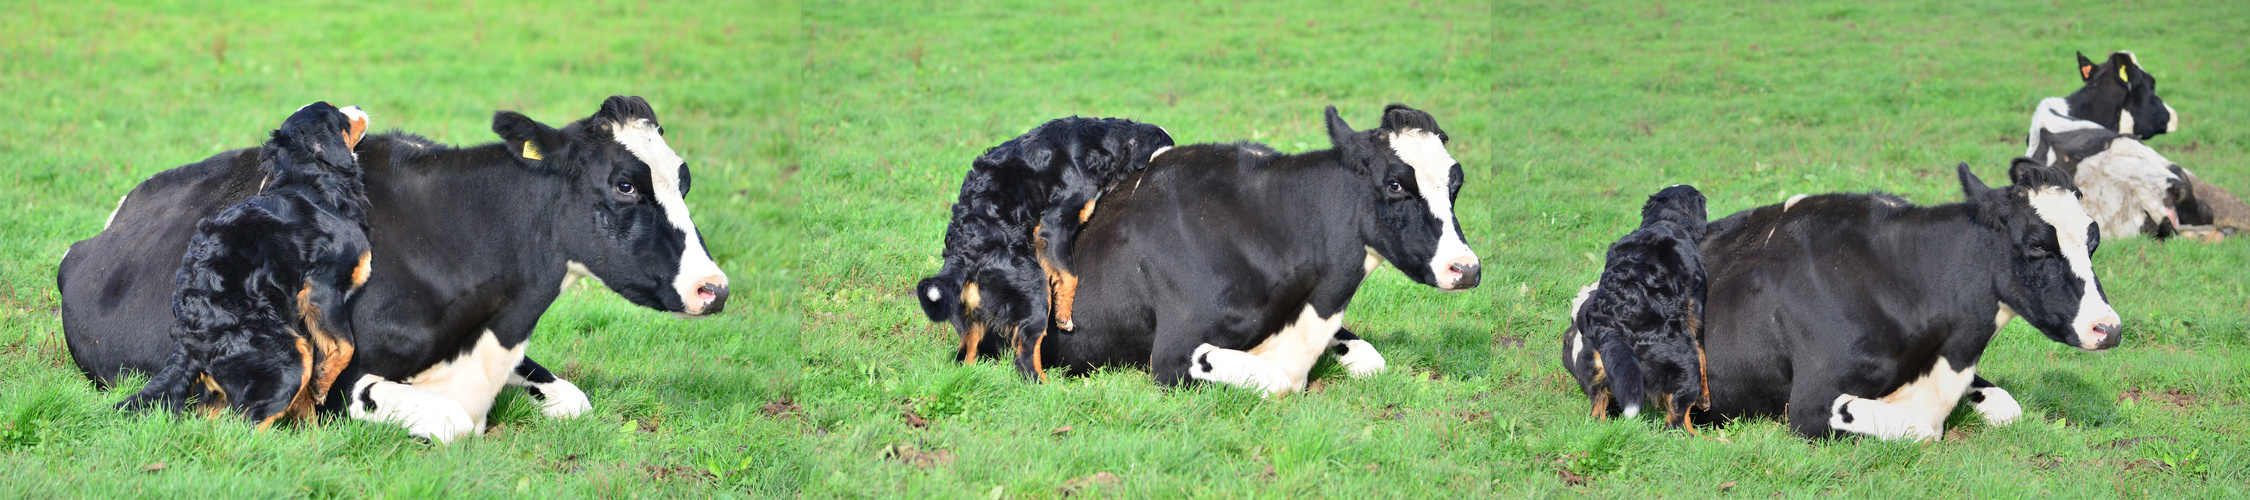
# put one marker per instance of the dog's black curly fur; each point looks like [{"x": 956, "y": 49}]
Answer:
[
  {"x": 1644, "y": 317},
  {"x": 262, "y": 290},
  {"x": 1020, "y": 208}
]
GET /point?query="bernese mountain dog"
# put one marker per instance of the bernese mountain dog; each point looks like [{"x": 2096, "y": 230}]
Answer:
[
  {"x": 1008, "y": 245},
  {"x": 1640, "y": 328},
  {"x": 261, "y": 293}
]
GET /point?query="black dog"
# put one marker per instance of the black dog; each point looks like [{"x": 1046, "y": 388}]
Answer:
[
  {"x": 1640, "y": 328},
  {"x": 261, "y": 291},
  {"x": 1009, "y": 243}
]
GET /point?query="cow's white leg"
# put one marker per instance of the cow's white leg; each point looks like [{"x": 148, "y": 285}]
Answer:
[
  {"x": 1879, "y": 419},
  {"x": 425, "y": 414},
  {"x": 1237, "y": 368},
  {"x": 472, "y": 380},
  {"x": 1298, "y": 345},
  {"x": 1358, "y": 357},
  {"x": 1994, "y": 404},
  {"x": 558, "y": 398}
]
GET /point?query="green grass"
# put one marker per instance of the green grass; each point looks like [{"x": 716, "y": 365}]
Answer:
[
  {"x": 828, "y": 139},
  {"x": 101, "y": 95}
]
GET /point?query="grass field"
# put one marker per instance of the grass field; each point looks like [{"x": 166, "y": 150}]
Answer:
[
  {"x": 828, "y": 139},
  {"x": 101, "y": 95}
]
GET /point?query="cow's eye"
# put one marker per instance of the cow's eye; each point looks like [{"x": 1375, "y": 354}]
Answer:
[
  {"x": 625, "y": 187},
  {"x": 1396, "y": 188}
]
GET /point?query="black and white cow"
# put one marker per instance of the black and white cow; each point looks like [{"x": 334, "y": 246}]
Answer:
[
  {"x": 1864, "y": 314},
  {"x": 469, "y": 244},
  {"x": 1233, "y": 263},
  {"x": 2129, "y": 188},
  {"x": 2119, "y": 95}
]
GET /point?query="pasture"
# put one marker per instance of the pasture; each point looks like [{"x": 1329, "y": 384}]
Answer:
[
  {"x": 1565, "y": 118},
  {"x": 102, "y": 95},
  {"x": 829, "y": 138}
]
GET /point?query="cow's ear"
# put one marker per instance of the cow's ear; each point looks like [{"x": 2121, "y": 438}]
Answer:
[
  {"x": 2030, "y": 174},
  {"x": 528, "y": 138},
  {"x": 1340, "y": 134},
  {"x": 2047, "y": 153},
  {"x": 2085, "y": 67},
  {"x": 1970, "y": 184},
  {"x": 2124, "y": 63}
]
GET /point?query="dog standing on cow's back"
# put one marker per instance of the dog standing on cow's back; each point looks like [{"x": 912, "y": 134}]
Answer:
[
  {"x": 261, "y": 292},
  {"x": 1640, "y": 327},
  {"x": 1019, "y": 211}
]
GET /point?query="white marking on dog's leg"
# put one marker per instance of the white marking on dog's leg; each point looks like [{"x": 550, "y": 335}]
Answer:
[
  {"x": 1998, "y": 407},
  {"x": 1879, "y": 419},
  {"x": 473, "y": 379},
  {"x": 1241, "y": 369},
  {"x": 424, "y": 414}
]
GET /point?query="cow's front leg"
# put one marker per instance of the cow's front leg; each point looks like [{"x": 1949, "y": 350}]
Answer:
[
  {"x": 1993, "y": 403},
  {"x": 1238, "y": 368},
  {"x": 1870, "y": 417},
  {"x": 425, "y": 414},
  {"x": 558, "y": 398},
  {"x": 1358, "y": 357}
]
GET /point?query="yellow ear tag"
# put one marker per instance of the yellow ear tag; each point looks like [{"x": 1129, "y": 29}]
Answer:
[
  {"x": 2121, "y": 76},
  {"x": 531, "y": 152}
]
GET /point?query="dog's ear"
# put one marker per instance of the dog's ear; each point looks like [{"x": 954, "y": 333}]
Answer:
[
  {"x": 2085, "y": 68},
  {"x": 530, "y": 140}
]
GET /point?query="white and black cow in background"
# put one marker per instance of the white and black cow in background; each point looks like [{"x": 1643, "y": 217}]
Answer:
[
  {"x": 2129, "y": 188},
  {"x": 1233, "y": 263},
  {"x": 1864, "y": 314},
  {"x": 469, "y": 246}
]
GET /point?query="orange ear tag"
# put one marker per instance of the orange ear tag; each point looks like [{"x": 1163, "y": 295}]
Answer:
[{"x": 2085, "y": 72}]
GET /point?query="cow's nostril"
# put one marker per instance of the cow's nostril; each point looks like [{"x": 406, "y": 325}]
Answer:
[
  {"x": 714, "y": 296},
  {"x": 1469, "y": 274}
]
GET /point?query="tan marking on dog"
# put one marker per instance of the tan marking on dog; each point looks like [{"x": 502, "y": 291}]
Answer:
[
  {"x": 1088, "y": 212},
  {"x": 1037, "y": 366},
  {"x": 970, "y": 298},
  {"x": 330, "y": 353},
  {"x": 969, "y": 343},
  {"x": 360, "y": 272},
  {"x": 1062, "y": 286},
  {"x": 300, "y": 404}
]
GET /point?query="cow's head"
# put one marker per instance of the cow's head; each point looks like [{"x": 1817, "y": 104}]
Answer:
[
  {"x": 2120, "y": 95},
  {"x": 318, "y": 135},
  {"x": 628, "y": 222},
  {"x": 2050, "y": 241},
  {"x": 1414, "y": 181},
  {"x": 2126, "y": 160}
]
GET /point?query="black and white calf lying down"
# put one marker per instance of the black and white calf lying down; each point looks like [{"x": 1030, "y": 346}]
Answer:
[
  {"x": 1234, "y": 263},
  {"x": 468, "y": 247},
  {"x": 1865, "y": 314},
  {"x": 1640, "y": 326},
  {"x": 1020, "y": 208},
  {"x": 2095, "y": 134},
  {"x": 259, "y": 293}
]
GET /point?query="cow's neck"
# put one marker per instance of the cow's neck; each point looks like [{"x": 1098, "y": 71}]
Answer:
[
  {"x": 483, "y": 230},
  {"x": 1961, "y": 263},
  {"x": 1308, "y": 191}
]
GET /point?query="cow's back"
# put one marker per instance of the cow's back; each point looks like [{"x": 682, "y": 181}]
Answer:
[{"x": 114, "y": 284}]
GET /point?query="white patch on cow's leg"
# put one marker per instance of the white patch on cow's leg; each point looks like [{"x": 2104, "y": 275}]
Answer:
[
  {"x": 473, "y": 379},
  {"x": 1359, "y": 358},
  {"x": 424, "y": 414},
  {"x": 557, "y": 399},
  {"x": 1879, "y": 419},
  {"x": 1933, "y": 395},
  {"x": 1298, "y": 345},
  {"x": 2061, "y": 210},
  {"x": 1792, "y": 203},
  {"x": 1241, "y": 369},
  {"x": 696, "y": 267},
  {"x": 1433, "y": 176},
  {"x": 113, "y": 212},
  {"x": 1995, "y": 405}
]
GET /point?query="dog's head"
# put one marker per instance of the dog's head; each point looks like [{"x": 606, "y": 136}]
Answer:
[
  {"x": 1680, "y": 204},
  {"x": 319, "y": 135}
]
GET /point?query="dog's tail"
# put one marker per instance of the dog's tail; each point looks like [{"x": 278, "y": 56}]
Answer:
[
  {"x": 170, "y": 389},
  {"x": 940, "y": 296},
  {"x": 1624, "y": 375}
]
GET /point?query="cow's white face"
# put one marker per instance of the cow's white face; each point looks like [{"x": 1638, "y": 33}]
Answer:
[
  {"x": 698, "y": 280},
  {"x": 626, "y": 221},
  {"x": 2067, "y": 245},
  {"x": 1437, "y": 179}
]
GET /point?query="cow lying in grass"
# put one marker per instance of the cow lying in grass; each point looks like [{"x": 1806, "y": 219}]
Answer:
[
  {"x": 1640, "y": 327},
  {"x": 1234, "y": 263},
  {"x": 1020, "y": 205},
  {"x": 1864, "y": 314},
  {"x": 261, "y": 292},
  {"x": 469, "y": 246},
  {"x": 2095, "y": 134}
]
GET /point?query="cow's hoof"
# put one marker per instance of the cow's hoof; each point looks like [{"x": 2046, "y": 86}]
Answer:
[
  {"x": 1360, "y": 359},
  {"x": 563, "y": 400},
  {"x": 1996, "y": 405},
  {"x": 424, "y": 414},
  {"x": 1241, "y": 369}
]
